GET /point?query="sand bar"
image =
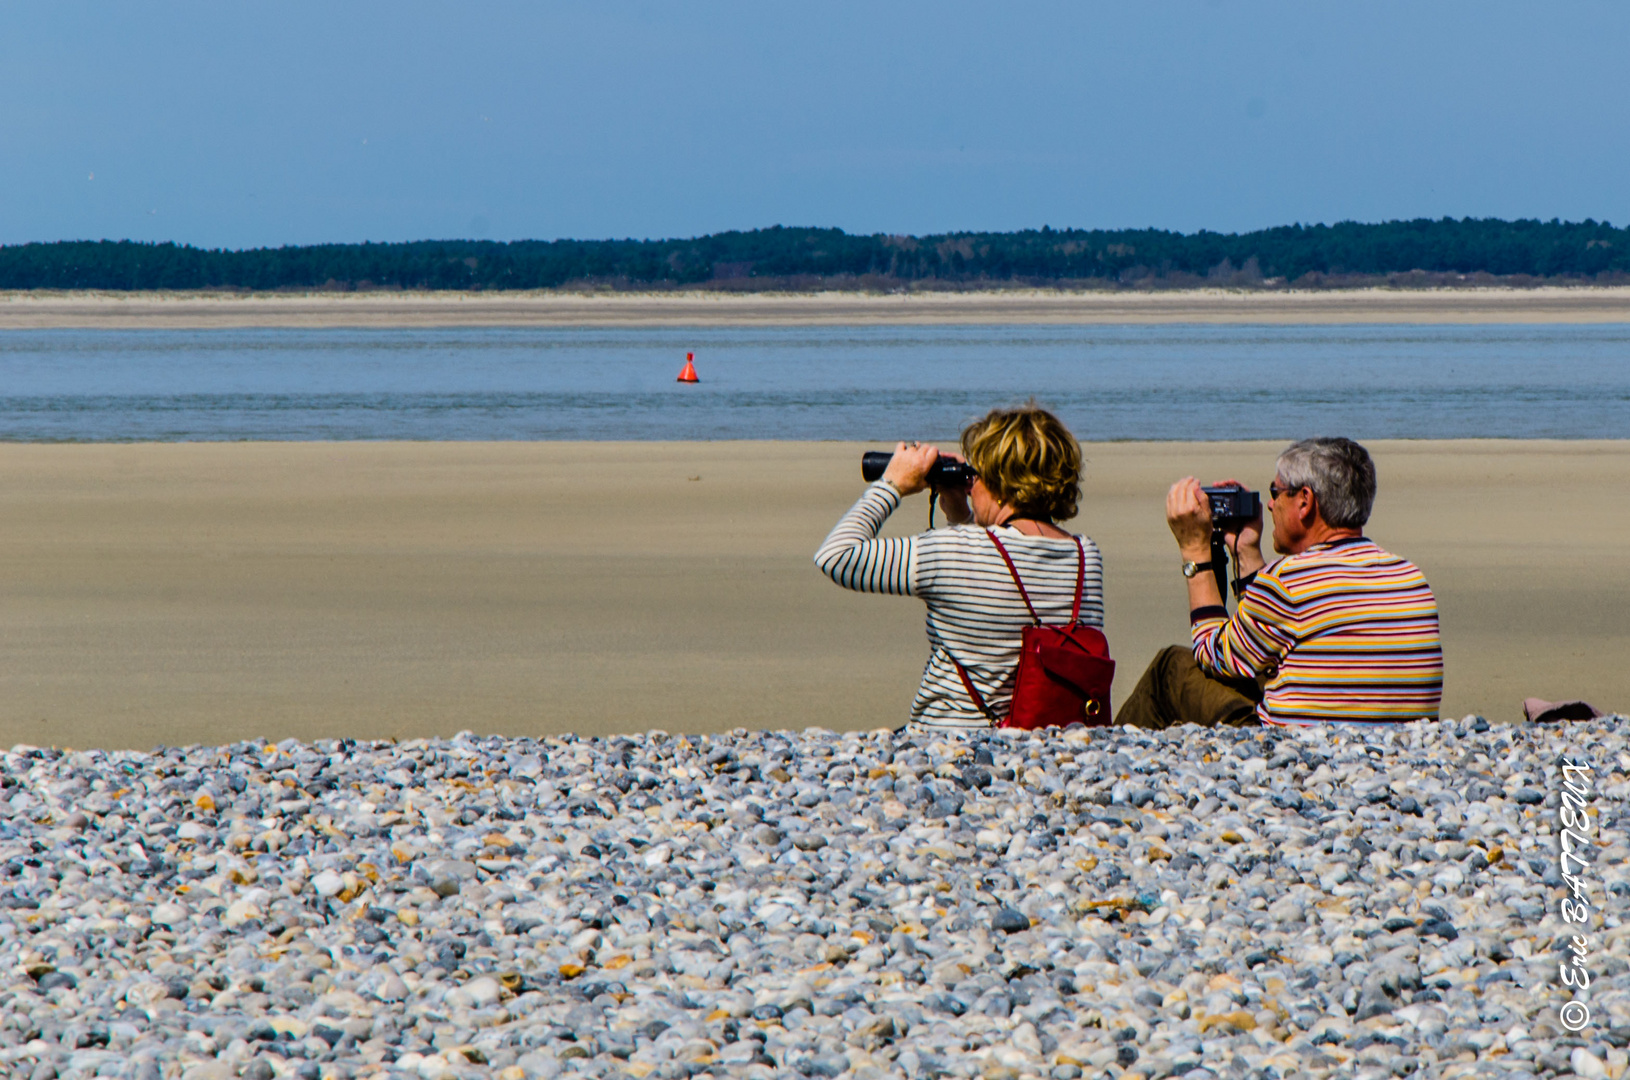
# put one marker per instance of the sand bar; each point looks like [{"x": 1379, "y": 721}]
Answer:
[
  {"x": 183, "y": 593},
  {"x": 47, "y": 310}
]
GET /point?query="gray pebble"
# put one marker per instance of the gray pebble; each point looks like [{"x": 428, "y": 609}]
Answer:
[{"x": 1010, "y": 921}]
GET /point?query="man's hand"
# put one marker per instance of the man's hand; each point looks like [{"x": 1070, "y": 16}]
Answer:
[
  {"x": 908, "y": 469},
  {"x": 1188, "y": 513},
  {"x": 1247, "y": 542}
]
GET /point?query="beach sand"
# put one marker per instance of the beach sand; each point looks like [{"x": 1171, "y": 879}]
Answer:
[
  {"x": 182, "y": 593},
  {"x": 157, "y": 310}
]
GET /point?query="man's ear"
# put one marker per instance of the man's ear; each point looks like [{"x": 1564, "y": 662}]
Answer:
[{"x": 1309, "y": 512}]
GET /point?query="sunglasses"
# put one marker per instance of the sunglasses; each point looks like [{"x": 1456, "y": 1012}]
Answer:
[{"x": 1274, "y": 491}]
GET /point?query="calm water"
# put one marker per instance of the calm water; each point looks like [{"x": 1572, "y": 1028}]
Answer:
[{"x": 1108, "y": 382}]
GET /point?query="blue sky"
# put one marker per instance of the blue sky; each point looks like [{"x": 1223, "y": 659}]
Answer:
[{"x": 243, "y": 125}]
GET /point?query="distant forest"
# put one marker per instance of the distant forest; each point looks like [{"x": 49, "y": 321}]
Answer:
[{"x": 1400, "y": 253}]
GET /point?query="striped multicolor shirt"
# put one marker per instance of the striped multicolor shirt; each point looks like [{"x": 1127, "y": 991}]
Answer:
[
  {"x": 974, "y": 611},
  {"x": 1344, "y": 631}
]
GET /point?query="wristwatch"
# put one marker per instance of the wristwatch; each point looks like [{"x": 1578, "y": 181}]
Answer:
[{"x": 1192, "y": 568}]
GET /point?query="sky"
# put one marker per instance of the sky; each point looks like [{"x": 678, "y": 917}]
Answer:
[{"x": 243, "y": 125}]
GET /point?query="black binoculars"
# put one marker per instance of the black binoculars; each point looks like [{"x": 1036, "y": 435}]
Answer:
[{"x": 944, "y": 473}]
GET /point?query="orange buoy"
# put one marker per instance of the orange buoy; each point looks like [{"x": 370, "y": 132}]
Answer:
[{"x": 688, "y": 372}]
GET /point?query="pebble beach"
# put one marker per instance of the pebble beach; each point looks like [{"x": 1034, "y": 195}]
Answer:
[{"x": 1192, "y": 903}]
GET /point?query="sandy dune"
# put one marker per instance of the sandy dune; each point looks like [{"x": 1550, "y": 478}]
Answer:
[{"x": 37, "y": 310}]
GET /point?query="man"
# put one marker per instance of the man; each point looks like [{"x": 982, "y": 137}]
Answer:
[{"x": 1336, "y": 631}]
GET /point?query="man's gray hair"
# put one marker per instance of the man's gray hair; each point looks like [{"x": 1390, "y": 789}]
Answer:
[{"x": 1339, "y": 472}]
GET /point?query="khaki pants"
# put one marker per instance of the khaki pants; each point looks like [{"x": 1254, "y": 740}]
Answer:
[{"x": 1175, "y": 690}]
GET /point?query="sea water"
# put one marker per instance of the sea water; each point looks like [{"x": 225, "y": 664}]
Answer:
[{"x": 862, "y": 383}]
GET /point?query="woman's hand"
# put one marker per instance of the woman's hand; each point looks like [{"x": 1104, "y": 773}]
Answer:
[
  {"x": 954, "y": 500},
  {"x": 908, "y": 469}
]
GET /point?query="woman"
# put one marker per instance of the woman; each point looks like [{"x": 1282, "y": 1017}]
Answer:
[{"x": 1028, "y": 474}]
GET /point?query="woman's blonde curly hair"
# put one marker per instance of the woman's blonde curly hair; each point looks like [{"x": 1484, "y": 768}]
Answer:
[{"x": 1028, "y": 459}]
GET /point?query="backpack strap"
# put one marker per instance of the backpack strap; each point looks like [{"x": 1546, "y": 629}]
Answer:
[
  {"x": 1013, "y": 570},
  {"x": 1080, "y": 578},
  {"x": 973, "y": 692}
]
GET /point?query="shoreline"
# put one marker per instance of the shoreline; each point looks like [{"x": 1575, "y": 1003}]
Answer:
[
  {"x": 949, "y": 438},
  {"x": 195, "y": 310},
  {"x": 184, "y": 593}
]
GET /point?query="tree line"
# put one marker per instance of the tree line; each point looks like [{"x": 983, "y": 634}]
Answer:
[{"x": 1444, "y": 251}]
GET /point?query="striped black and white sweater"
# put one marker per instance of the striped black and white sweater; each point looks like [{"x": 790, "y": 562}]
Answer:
[{"x": 975, "y": 612}]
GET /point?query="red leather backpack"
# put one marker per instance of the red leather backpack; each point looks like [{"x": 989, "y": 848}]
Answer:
[{"x": 1064, "y": 672}]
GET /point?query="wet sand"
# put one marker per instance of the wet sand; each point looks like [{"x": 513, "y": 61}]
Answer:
[
  {"x": 181, "y": 593},
  {"x": 158, "y": 310}
]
